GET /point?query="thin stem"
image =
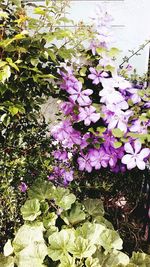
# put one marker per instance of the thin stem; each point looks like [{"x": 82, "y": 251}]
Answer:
[{"x": 134, "y": 54}]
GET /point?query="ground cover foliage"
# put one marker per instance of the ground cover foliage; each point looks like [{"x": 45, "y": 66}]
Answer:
[
  {"x": 40, "y": 58},
  {"x": 60, "y": 231}
]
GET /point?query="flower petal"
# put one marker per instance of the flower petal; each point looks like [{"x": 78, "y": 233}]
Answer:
[
  {"x": 144, "y": 153},
  {"x": 140, "y": 164},
  {"x": 128, "y": 148},
  {"x": 137, "y": 146},
  {"x": 131, "y": 164},
  {"x": 126, "y": 159}
]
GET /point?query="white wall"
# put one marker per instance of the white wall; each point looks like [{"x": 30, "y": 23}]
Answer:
[{"x": 131, "y": 24}]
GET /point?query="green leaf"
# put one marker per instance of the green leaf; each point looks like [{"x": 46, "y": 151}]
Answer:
[
  {"x": 67, "y": 261},
  {"x": 117, "y": 132},
  {"x": 13, "y": 110},
  {"x": 42, "y": 190},
  {"x": 5, "y": 73},
  {"x": 109, "y": 68},
  {"x": 91, "y": 232},
  {"x": 63, "y": 198},
  {"x": 103, "y": 221},
  {"x": 100, "y": 50},
  {"x": 39, "y": 10},
  {"x": 83, "y": 71},
  {"x": 60, "y": 243},
  {"x": 52, "y": 55},
  {"x": 32, "y": 255},
  {"x": 27, "y": 234},
  {"x": 6, "y": 261},
  {"x": 82, "y": 248},
  {"x": 110, "y": 239},
  {"x": 117, "y": 144},
  {"x": 2, "y": 63},
  {"x": 8, "y": 249},
  {"x": 94, "y": 207},
  {"x": 50, "y": 220},
  {"x": 31, "y": 209},
  {"x": 75, "y": 215},
  {"x": 34, "y": 61},
  {"x": 12, "y": 64},
  {"x": 140, "y": 259},
  {"x": 5, "y": 119},
  {"x": 113, "y": 52},
  {"x": 90, "y": 262},
  {"x": 3, "y": 14}
]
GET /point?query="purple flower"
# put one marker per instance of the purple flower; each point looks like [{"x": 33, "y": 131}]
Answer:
[
  {"x": 65, "y": 133},
  {"x": 67, "y": 107},
  {"x": 88, "y": 115},
  {"x": 82, "y": 97},
  {"x": 109, "y": 95},
  {"x": 134, "y": 96},
  {"x": 68, "y": 177},
  {"x": 98, "y": 158},
  {"x": 139, "y": 127},
  {"x": 23, "y": 187},
  {"x": 97, "y": 75},
  {"x": 120, "y": 120},
  {"x": 84, "y": 163},
  {"x": 135, "y": 156},
  {"x": 60, "y": 155}
]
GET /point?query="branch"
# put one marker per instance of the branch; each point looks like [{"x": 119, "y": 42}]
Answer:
[{"x": 136, "y": 53}]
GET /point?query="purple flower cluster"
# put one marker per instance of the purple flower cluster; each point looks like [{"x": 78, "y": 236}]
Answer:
[{"x": 101, "y": 124}]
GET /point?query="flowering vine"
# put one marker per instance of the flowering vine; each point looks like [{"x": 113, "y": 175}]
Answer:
[{"x": 106, "y": 117}]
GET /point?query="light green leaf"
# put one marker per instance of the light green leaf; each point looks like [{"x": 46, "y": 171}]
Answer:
[
  {"x": 140, "y": 259},
  {"x": 63, "y": 198},
  {"x": 8, "y": 249},
  {"x": 34, "y": 61},
  {"x": 42, "y": 190},
  {"x": 117, "y": 144},
  {"x": 83, "y": 71},
  {"x": 94, "y": 207},
  {"x": 117, "y": 132},
  {"x": 12, "y": 64},
  {"x": 113, "y": 52},
  {"x": 110, "y": 68},
  {"x": 5, "y": 119},
  {"x": 110, "y": 239},
  {"x": 39, "y": 10},
  {"x": 115, "y": 258},
  {"x": 82, "y": 248},
  {"x": 50, "y": 220},
  {"x": 91, "y": 232},
  {"x": 3, "y": 14},
  {"x": 32, "y": 255},
  {"x": 60, "y": 243},
  {"x": 90, "y": 262},
  {"x": 31, "y": 209},
  {"x": 75, "y": 215},
  {"x": 5, "y": 73},
  {"x": 103, "y": 221},
  {"x": 27, "y": 234},
  {"x": 6, "y": 261},
  {"x": 2, "y": 63},
  {"x": 13, "y": 110},
  {"x": 67, "y": 261}
]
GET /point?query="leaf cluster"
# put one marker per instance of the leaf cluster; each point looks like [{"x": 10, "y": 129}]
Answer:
[{"x": 60, "y": 231}]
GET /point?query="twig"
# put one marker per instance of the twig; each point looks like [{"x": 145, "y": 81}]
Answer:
[{"x": 136, "y": 53}]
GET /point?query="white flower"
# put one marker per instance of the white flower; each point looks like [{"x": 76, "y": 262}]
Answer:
[{"x": 135, "y": 157}]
